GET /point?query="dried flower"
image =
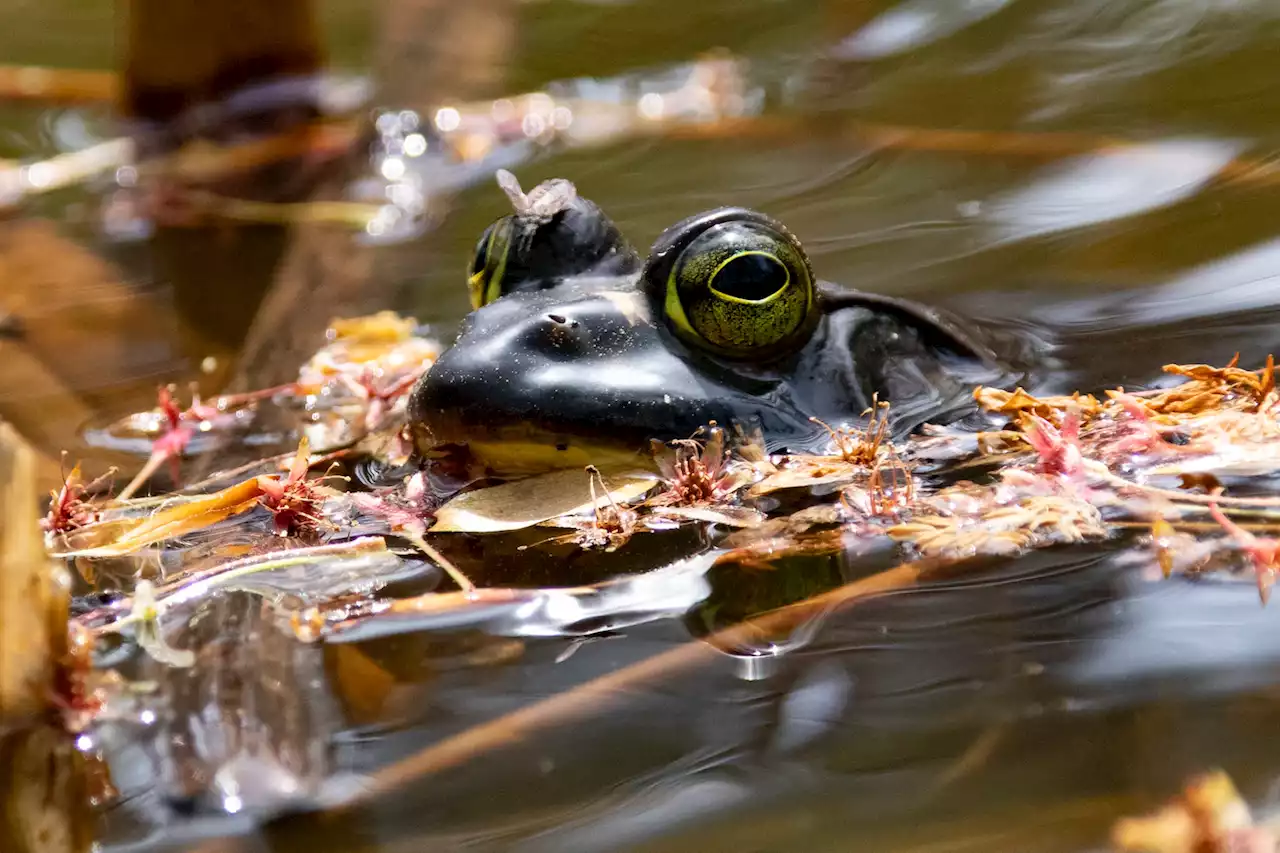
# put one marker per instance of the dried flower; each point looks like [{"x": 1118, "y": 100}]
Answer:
[
  {"x": 611, "y": 525},
  {"x": 293, "y": 500},
  {"x": 1263, "y": 552},
  {"x": 403, "y": 509},
  {"x": 1034, "y": 521},
  {"x": 68, "y": 509},
  {"x": 861, "y": 445},
  {"x": 891, "y": 487},
  {"x": 1213, "y": 388},
  {"x": 1058, "y": 449},
  {"x": 695, "y": 473}
]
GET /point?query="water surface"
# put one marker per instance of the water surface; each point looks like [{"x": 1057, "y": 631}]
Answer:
[{"x": 1100, "y": 172}]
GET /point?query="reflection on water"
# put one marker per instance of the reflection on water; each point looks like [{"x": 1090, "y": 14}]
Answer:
[
  {"x": 1108, "y": 185},
  {"x": 1101, "y": 171}
]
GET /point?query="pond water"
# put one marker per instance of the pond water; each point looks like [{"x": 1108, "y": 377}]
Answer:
[{"x": 1100, "y": 172}]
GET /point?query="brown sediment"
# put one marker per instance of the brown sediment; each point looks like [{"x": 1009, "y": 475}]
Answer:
[{"x": 182, "y": 53}]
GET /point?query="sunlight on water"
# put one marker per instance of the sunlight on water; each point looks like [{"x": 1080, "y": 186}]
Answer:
[
  {"x": 912, "y": 25},
  {"x": 1109, "y": 185}
]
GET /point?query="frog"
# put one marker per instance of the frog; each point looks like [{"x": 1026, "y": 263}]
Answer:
[{"x": 579, "y": 350}]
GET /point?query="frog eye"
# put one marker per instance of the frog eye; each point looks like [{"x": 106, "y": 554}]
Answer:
[
  {"x": 489, "y": 263},
  {"x": 734, "y": 282}
]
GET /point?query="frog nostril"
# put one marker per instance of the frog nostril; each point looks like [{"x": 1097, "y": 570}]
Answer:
[{"x": 559, "y": 336}]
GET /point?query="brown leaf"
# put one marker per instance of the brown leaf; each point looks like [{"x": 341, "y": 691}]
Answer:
[
  {"x": 524, "y": 503},
  {"x": 802, "y": 472},
  {"x": 730, "y": 516},
  {"x": 1017, "y": 402},
  {"x": 120, "y": 536}
]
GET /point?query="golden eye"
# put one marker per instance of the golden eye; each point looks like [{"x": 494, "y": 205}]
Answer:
[
  {"x": 751, "y": 277},
  {"x": 737, "y": 284},
  {"x": 489, "y": 263}
]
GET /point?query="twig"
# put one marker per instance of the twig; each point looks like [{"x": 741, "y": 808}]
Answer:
[
  {"x": 463, "y": 582},
  {"x": 1196, "y": 526},
  {"x": 64, "y": 170},
  {"x": 355, "y": 214}
]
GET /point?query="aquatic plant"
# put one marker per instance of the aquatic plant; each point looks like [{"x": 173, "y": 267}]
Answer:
[{"x": 1055, "y": 471}]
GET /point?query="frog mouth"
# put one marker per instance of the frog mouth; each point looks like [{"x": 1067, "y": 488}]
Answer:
[{"x": 522, "y": 450}]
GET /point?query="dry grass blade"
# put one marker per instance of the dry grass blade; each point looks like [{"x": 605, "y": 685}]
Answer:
[{"x": 117, "y": 537}]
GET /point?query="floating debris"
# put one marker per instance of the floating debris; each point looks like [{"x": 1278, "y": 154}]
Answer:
[
  {"x": 533, "y": 500},
  {"x": 1209, "y": 816},
  {"x": 1062, "y": 470},
  {"x": 611, "y": 525},
  {"x": 359, "y": 382}
]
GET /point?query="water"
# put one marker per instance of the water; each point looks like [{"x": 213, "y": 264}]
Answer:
[{"x": 1100, "y": 172}]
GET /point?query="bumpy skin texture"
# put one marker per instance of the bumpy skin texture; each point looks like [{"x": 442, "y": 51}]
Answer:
[
  {"x": 544, "y": 251},
  {"x": 577, "y": 241},
  {"x": 599, "y": 360}
]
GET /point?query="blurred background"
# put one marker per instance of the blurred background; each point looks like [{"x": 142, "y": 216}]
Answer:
[
  {"x": 191, "y": 192},
  {"x": 195, "y": 192}
]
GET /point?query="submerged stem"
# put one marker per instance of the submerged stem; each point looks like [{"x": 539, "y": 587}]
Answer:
[
  {"x": 154, "y": 461},
  {"x": 463, "y": 582}
]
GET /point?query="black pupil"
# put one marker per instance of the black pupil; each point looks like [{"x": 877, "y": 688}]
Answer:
[
  {"x": 751, "y": 277},
  {"x": 482, "y": 251}
]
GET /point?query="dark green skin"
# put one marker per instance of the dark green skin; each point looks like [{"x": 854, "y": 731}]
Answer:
[
  {"x": 567, "y": 362},
  {"x": 579, "y": 240}
]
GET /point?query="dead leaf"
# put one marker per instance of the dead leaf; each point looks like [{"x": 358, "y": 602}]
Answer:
[
  {"x": 524, "y": 503},
  {"x": 802, "y": 472},
  {"x": 730, "y": 516},
  {"x": 124, "y": 536}
]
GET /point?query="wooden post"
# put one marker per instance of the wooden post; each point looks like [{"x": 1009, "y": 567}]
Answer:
[
  {"x": 34, "y": 598},
  {"x": 180, "y": 54},
  {"x": 44, "y": 804}
]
